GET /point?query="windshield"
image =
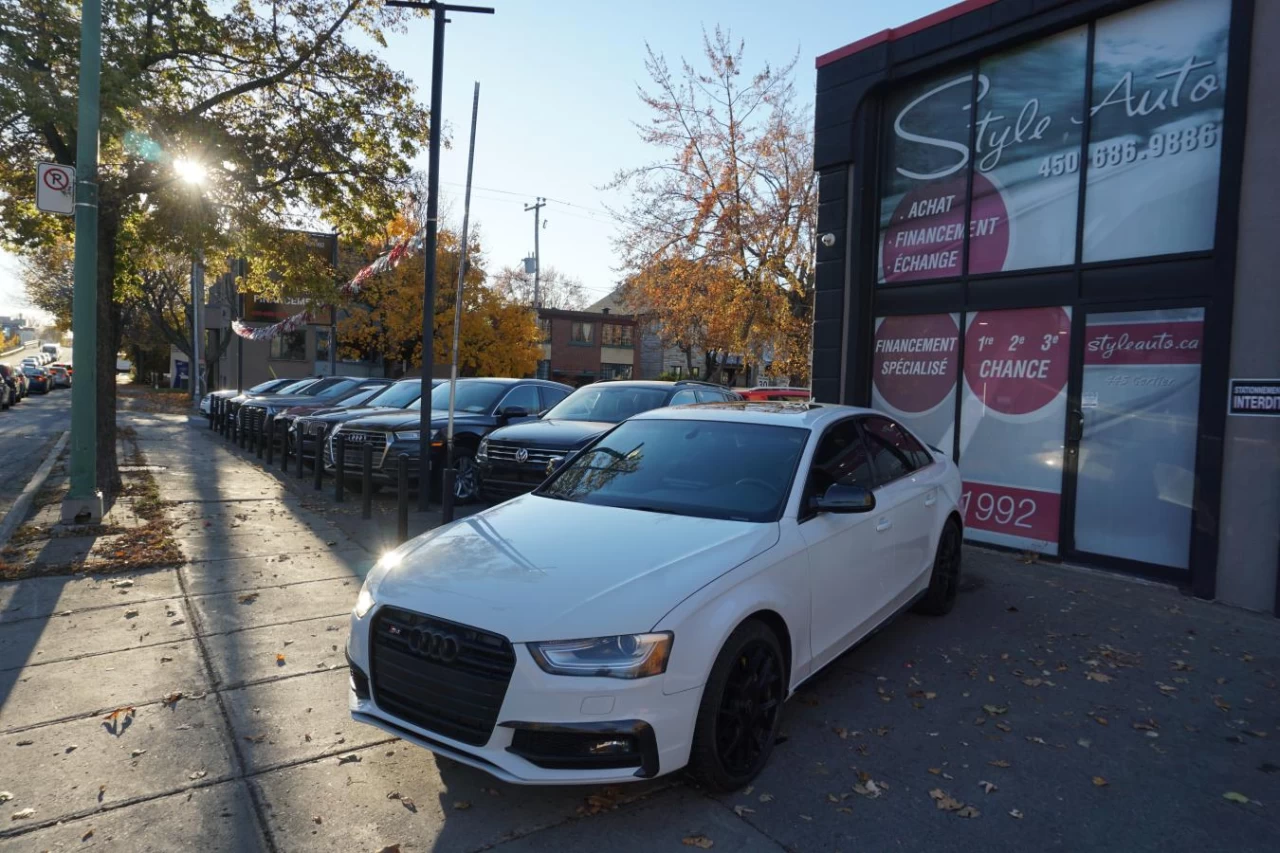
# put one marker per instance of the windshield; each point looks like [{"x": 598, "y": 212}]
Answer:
[
  {"x": 705, "y": 469},
  {"x": 397, "y": 395},
  {"x": 361, "y": 395},
  {"x": 473, "y": 396},
  {"x": 295, "y": 387},
  {"x": 611, "y": 404},
  {"x": 328, "y": 388},
  {"x": 264, "y": 387}
]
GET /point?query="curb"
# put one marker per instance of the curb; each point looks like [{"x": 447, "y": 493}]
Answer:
[{"x": 18, "y": 512}]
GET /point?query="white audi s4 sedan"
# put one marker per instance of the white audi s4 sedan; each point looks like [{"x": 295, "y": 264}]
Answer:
[{"x": 654, "y": 602}]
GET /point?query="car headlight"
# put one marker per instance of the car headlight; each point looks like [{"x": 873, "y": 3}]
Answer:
[
  {"x": 369, "y": 589},
  {"x": 409, "y": 435},
  {"x": 482, "y": 452},
  {"x": 625, "y": 656}
]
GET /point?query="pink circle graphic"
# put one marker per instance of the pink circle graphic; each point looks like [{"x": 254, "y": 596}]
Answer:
[
  {"x": 1016, "y": 361},
  {"x": 925, "y": 236},
  {"x": 916, "y": 360}
]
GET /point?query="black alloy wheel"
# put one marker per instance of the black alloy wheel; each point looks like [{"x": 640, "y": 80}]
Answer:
[
  {"x": 466, "y": 487},
  {"x": 944, "y": 582},
  {"x": 741, "y": 709}
]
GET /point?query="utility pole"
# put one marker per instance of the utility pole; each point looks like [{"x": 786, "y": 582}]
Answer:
[
  {"x": 197, "y": 302},
  {"x": 536, "y": 207},
  {"x": 83, "y": 504},
  {"x": 438, "y": 12}
]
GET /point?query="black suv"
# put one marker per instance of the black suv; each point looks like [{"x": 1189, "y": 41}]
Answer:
[
  {"x": 482, "y": 405},
  {"x": 313, "y": 427},
  {"x": 516, "y": 459},
  {"x": 323, "y": 392}
]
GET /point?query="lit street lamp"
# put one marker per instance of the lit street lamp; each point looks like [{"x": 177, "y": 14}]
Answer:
[{"x": 193, "y": 172}]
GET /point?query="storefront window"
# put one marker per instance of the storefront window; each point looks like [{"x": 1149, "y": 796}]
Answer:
[
  {"x": 289, "y": 346},
  {"x": 1155, "y": 141},
  {"x": 924, "y": 180},
  {"x": 1140, "y": 409},
  {"x": 916, "y": 362},
  {"x": 1012, "y": 421},
  {"x": 1026, "y": 184},
  {"x": 322, "y": 344}
]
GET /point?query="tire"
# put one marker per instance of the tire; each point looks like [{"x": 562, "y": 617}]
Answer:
[
  {"x": 944, "y": 580},
  {"x": 739, "y": 703},
  {"x": 466, "y": 483}
]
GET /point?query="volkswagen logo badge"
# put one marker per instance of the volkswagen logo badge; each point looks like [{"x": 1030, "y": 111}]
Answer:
[
  {"x": 434, "y": 645},
  {"x": 522, "y": 455}
]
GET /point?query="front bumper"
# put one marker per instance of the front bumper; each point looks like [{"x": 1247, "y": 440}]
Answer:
[
  {"x": 503, "y": 480},
  {"x": 550, "y": 729}
]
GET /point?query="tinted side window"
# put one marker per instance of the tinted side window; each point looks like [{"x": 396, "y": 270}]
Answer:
[
  {"x": 524, "y": 396},
  {"x": 841, "y": 457},
  {"x": 709, "y": 395},
  {"x": 896, "y": 454},
  {"x": 682, "y": 397},
  {"x": 551, "y": 396}
]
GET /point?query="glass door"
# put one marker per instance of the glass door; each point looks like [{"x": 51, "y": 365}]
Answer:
[{"x": 1135, "y": 433}]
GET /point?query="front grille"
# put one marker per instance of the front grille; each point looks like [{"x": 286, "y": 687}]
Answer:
[
  {"x": 356, "y": 440},
  {"x": 505, "y": 451},
  {"x": 252, "y": 418},
  {"x": 459, "y": 699}
]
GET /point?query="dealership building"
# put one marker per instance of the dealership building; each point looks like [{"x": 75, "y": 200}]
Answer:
[{"x": 1049, "y": 234}]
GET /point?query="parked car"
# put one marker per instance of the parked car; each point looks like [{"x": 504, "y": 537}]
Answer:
[
  {"x": 31, "y": 361},
  {"x": 481, "y": 406},
  {"x": 8, "y": 396},
  {"x": 16, "y": 380},
  {"x": 38, "y": 379},
  {"x": 654, "y": 603},
  {"x": 515, "y": 459},
  {"x": 355, "y": 398},
  {"x": 254, "y": 411},
  {"x": 296, "y": 386},
  {"x": 51, "y": 349},
  {"x": 60, "y": 377},
  {"x": 777, "y": 395},
  {"x": 226, "y": 394},
  {"x": 66, "y": 365},
  {"x": 314, "y": 427}
]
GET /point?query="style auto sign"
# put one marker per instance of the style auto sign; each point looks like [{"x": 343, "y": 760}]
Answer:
[{"x": 1137, "y": 118}]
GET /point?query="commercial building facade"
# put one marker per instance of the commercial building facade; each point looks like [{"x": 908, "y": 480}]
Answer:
[{"x": 1047, "y": 243}]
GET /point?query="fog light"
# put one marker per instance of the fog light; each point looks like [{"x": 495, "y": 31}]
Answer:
[{"x": 612, "y": 747}]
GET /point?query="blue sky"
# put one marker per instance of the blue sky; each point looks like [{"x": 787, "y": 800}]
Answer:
[{"x": 558, "y": 100}]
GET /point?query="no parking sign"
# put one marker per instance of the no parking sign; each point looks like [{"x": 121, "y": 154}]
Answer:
[{"x": 56, "y": 188}]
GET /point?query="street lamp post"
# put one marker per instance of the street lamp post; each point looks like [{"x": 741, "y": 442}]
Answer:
[
  {"x": 83, "y": 504},
  {"x": 438, "y": 12}
]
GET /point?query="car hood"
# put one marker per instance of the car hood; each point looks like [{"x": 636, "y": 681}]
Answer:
[
  {"x": 535, "y": 568},
  {"x": 339, "y": 415},
  {"x": 283, "y": 401},
  {"x": 555, "y": 434},
  {"x": 409, "y": 418},
  {"x": 309, "y": 409}
]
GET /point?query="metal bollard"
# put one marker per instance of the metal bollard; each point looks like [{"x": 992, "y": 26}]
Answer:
[
  {"x": 243, "y": 435},
  {"x": 366, "y": 481},
  {"x": 317, "y": 462},
  {"x": 297, "y": 451},
  {"x": 213, "y": 411},
  {"x": 402, "y": 498},
  {"x": 270, "y": 429},
  {"x": 339, "y": 468},
  {"x": 221, "y": 428},
  {"x": 284, "y": 449},
  {"x": 261, "y": 437}
]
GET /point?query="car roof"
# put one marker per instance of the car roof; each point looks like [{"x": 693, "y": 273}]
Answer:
[{"x": 811, "y": 416}]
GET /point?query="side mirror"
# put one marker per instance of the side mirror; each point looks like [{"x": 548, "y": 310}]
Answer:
[
  {"x": 555, "y": 463},
  {"x": 512, "y": 412},
  {"x": 840, "y": 498}
]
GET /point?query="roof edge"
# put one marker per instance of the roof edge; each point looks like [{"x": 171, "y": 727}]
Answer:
[{"x": 893, "y": 33}]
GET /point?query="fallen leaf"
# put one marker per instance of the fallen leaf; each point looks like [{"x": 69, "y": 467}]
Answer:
[
  {"x": 1099, "y": 782},
  {"x": 995, "y": 710},
  {"x": 279, "y": 660},
  {"x": 1217, "y": 700},
  {"x": 832, "y": 798},
  {"x": 6, "y": 796},
  {"x": 25, "y": 742},
  {"x": 841, "y": 732},
  {"x": 263, "y": 737},
  {"x": 137, "y": 753},
  {"x": 349, "y": 759},
  {"x": 1015, "y": 814},
  {"x": 1098, "y": 676},
  {"x": 248, "y": 598},
  {"x": 317, "y": 819},
  {"x": 88, "y": 834},
  {"x": 26, "y": 813},
  {"x": 1102, "y": 721},
  {"x": 198, "y": 774},
  {"x": 172, "y": 698},
  {"x": 390, "y": 848},
  {"x": 1004, "y": 727},
  {"x": 129, "y": 614},
  {"x": 987, "y": 787},
  {"x": 936, "y": 771},
  {"x": 461, "y": 805},
  {"x": 805, "y": 817},
  {"x": 882, "y": 731},
  {"x": 743, "y": 810},
  {"x": 968, "y": 811},
  {"x": 1039, "y": 740},
  {"x": 869, "y": 789},
  {"x": 1033, "y": 682},
  {"x": 1084, "y": 742},
  {"x": 999, "y": 762},
  {"x": 766, "y": 798},
  {"x": 1233, "y": 796},
  {"x": 945, "y": 801}
]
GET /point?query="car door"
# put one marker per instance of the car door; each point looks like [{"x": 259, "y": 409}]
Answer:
[
  {"x": 910, "y": 496},
  {"x": 850, "y": 561}
]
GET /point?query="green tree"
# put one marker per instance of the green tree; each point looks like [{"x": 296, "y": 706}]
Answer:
[{"x": 286, "y": 116}]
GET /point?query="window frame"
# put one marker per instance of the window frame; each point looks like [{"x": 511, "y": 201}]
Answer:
[
  {"x": 621, "y": 330},
  {"x": 589, "y": 340},
  {"x": 502, "y": 402},
  {"x": 881, "y": 478},
  {"x": 546, "y": 395}
]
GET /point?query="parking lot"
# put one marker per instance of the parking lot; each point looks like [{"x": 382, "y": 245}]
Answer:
[{"x": 206, "y": 704}]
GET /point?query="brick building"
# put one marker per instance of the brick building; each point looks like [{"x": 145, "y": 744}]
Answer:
[{"x": 579, "y": 347}]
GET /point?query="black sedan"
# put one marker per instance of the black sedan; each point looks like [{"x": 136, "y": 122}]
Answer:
[
  {"x": 38, "y": 380},
  {"x": 515, "y": 459},
  {"x": 481, "y": 406},
  {"x": 315, "y": 426}
]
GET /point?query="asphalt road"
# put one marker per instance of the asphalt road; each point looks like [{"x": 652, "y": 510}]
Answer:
[{"x": 28, "y": 432}]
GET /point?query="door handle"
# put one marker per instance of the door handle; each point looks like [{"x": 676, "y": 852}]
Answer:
[
  {"x": 932, "y": 499},
  {"x": 1075, "y": 425},
  {"x": 883, "y": 525}
]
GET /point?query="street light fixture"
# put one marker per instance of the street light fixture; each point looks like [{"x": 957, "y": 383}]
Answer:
[{"x": 193, "y": 172}]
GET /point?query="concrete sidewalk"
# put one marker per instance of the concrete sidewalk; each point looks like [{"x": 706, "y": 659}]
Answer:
[{"x": 204, "y": 707}]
